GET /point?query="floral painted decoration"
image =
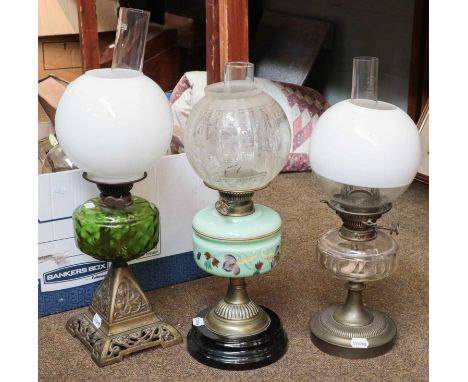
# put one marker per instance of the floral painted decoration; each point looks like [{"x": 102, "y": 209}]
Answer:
[
  {"x": 230, "y": 264},
  {"x": 258, "y": 266},
  {"x": 253, "y": 265},
  {"x": 210, "y": 261}
]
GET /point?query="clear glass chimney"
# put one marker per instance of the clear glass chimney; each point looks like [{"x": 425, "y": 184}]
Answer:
[{"x": 130, "y": 39}]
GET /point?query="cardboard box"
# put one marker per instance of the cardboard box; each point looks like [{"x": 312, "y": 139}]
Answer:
[
  {"x": 45, "y": 124},
  {"x": 59, "y": 49},
  {"x": 50, "y": 90},
  {"x": 68, "y": 278},
  {"x": 59, "y": 17},
  {"x": 61, "y": 55}
]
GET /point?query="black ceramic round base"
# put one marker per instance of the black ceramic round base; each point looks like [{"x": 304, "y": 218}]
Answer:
[{"x": 243, "y": 353}]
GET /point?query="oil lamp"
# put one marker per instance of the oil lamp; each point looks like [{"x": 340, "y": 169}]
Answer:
[
  {"x": 365, "y": 154},
  {"x": 237, "y": 140},
  {"x": 114, "y": 124}
]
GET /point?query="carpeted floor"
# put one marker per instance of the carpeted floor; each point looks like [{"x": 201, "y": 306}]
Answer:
[{"x": 295, "y": 289}]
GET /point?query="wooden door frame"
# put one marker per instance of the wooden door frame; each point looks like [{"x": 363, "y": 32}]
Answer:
[
  {"x": 227, "y": 35},
  {"x": 418, "y": 91}
]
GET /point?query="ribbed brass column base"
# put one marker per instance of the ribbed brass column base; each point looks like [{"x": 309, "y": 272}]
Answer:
[
  {"x": 236, "y": 315},
  {"x": 352, "y": 330}
]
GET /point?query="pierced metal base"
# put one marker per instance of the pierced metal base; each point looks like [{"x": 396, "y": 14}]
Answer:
[
  {"x": 108, "y": 349},
  {"x": 120, "y": 320},
  {"x": 347, "y": 341}
]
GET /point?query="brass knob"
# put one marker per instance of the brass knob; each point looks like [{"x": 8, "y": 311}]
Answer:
[{"x": 394, "y": 228}]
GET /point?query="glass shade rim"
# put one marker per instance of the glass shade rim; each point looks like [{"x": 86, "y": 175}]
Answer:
[
  {"x": 366, "y": 185},
  {"x": 373, "y": 105},
  {"x": 136, "y": 10},
  {"x": 366, "y": 58},
  {"x": 114, "y": 73},
  {"x": 220, "y": 90}
]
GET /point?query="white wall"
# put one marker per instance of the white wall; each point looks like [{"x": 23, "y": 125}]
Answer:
[{"x": 363, "y": 28}]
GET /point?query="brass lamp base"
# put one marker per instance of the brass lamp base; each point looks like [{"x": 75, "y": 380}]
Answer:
[
  {"x": 237, "y": 334},
  {"x": 352, "y": 330},
  {"x": 120, "y": 320},
  {"x": 236, "y": 315}
]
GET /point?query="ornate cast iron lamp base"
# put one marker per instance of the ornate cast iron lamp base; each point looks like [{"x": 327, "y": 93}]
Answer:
[
  {"x": 120, "y": 320},
  {"x": 237, "y": 334},
  {"x": 352, "y": 330}
]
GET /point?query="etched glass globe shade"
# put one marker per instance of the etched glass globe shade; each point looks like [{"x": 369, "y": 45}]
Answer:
[
  {"x": 114, "y": 124},
  {"x": 237, "y": 136},
  {"x": 365, "y": 152}
]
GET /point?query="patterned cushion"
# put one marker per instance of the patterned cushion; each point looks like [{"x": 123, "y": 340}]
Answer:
[
  {"x": 306, "y": 106},
  {"x": 302, "y": 105},
  {"x": 188, "y": 91}
]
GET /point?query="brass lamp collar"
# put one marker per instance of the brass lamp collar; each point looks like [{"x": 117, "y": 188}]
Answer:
[
  {"x": 360, "y": 224},
  {"x": 235, "y": 203},
  {"x": 116, "y": 196}
]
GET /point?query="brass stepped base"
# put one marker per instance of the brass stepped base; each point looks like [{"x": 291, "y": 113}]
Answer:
[
  {"x": 120, "y": 320},
  {"x": 335, "y": 338},
  {"x": 352, "y": 330}
]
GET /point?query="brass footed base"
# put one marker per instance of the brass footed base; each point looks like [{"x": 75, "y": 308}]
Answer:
[
  {"x": 236, "y": 315},
  {"x": 120, "y": 320},
  {"x": 352, "y": 330},
  {"x": 237, "y": 334}
]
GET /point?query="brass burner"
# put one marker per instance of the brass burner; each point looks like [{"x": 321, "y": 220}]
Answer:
[
  {"x": 235, "y": 203},
  {"x": 361, "y": 225}
]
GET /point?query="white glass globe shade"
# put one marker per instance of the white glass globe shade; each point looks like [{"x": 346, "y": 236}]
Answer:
[
  {"x": 114, "y": 124},
  {"x": 367, "y": 145},
  {"x": 237, "y": 137}
]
